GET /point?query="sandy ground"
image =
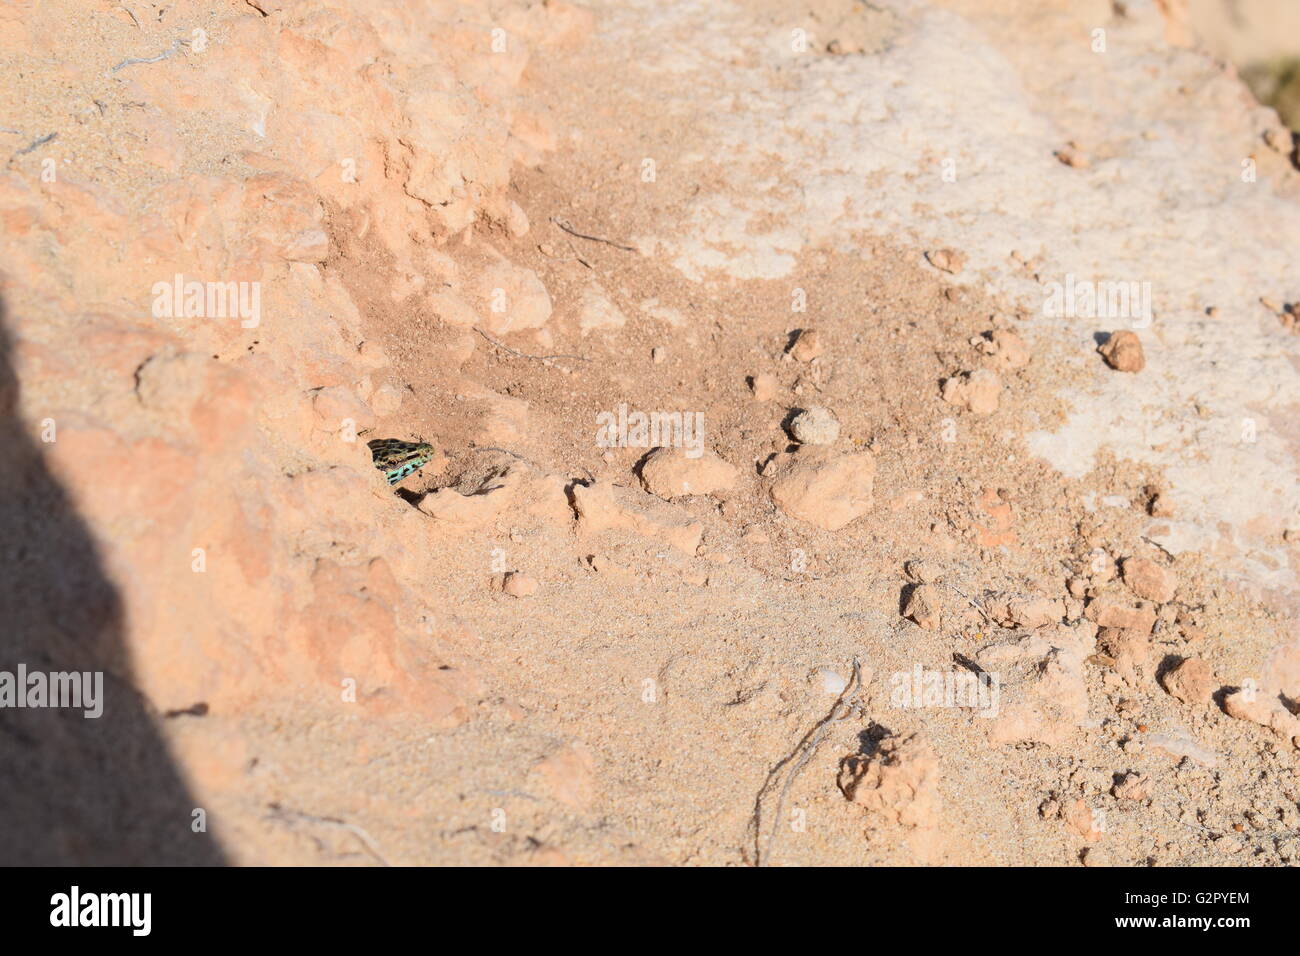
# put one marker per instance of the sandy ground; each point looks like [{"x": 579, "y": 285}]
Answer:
[
  {"x": 733, "y": 645},
  {"x": 726, "y": 678}
]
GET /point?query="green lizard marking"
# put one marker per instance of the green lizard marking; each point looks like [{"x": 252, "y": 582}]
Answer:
[{"x": 397, "y": 459}]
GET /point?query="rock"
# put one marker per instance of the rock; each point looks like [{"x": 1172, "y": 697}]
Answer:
[
  {"x": 452, "y": 309},
  {"x": 568, "y": 777},
  {"x": 669, "y": 473},
  {"x": 510, "y": 299},
  {"x": 174, "y": 383},
  {"x": 923, "y": 571},
  {"x": 1279, "y": 139},
  {"x": 1130, "y": 652},
  {"x": 1043, "y": 693},
  {"x": 899, "y": 783},
  {"x": 1149, "y": 580},
  {"x": 949, "y": 260},
  {"x": 372, "y": 355},
  {"x": 1180, "y": 744},
  {"x": 1263, "y": 708},
  {"x": 815, "y": 426},
  {"x": 977, "y": 391},
  {"x": 338, "y": 404},
  {"x": 1123, "y": 352},
  {"x": 284, "y": 216},
  {"x": 764, "y": 387},
  {"x": 602, "y": 506},
  {"x": 519, "y": 585},
  {"x": 821, "y": 489},
  {"x": 1192, "y": 681},
  {"x": 477, "y": 509},
  {"x": 517, "y": 220},
  {"x": 1082, "y": 821},
  {"x": 1094, "y": 856},
  {"x": 807, "y": 346},
  {"x": 1160, "y": 505},
  {"x": 598, "y": 311},
  {"x": 386, "y": 400},
  {"x": 1132, "y": 786},
  {"x": 603, "y": 564},
  {"x": 502, "y": 420},
  {"x": 1073, "y": 157},
  {"x": 997, "y": 530},
  {"x": 1109, "y": 611},
  {"x": 830, "y": 681},
  {"x": 1021, "y": 610},
  {"x": 1007, "y": 349},
  {"x": 921, "y": 603}
]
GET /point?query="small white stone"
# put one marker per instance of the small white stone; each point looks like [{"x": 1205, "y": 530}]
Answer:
[
  {"x": 830, "y": 681},
  {"x": 815, "y": 426}
]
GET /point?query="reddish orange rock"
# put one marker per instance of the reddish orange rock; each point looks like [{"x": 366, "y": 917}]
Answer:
[{"x": 1123, "y": 352}]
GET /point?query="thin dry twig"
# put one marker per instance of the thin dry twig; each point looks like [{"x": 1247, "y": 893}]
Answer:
[
  {"x": 133, "y": 60},
  {"x": 573, "y": 258},
  {"x": 568, "y": 227},
  {"x": 971, "y": 601},
  {"x": 800, "y": 755},
  {"x": 293, "y": 817},
  {"x": 34, "y": 144},
  {"x": 536, "y": 358}
]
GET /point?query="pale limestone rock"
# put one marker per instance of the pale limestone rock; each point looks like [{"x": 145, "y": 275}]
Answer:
[
  {"x": 1261, "y": 707},
  {"x": 598, "y": 311},
  {"x": 815, "y": 426},
  {"x": 1042, "y": 690},
  {"x": 337, "y": 404},
  {"x": 1024, "y": 610},
  {"x": 569, "y": 777}
]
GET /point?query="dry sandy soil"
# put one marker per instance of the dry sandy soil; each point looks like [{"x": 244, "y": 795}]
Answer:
[{"x": 1015, "y": 595}]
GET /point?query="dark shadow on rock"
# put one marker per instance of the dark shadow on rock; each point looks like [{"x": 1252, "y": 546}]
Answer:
[{"x": 76, "y": 790}]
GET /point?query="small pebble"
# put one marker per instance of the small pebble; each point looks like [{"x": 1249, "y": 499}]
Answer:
[
  {"x": 1123, "y": 352},
  {"x": 815, "y": 426},
  {"x": 949, "y": 260},
  {"x": 830, "y": 681},
  {"x": 764, "y": 387},
  {"x": 807, "y": 346},
  {"x": 519, "y": 585}
]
